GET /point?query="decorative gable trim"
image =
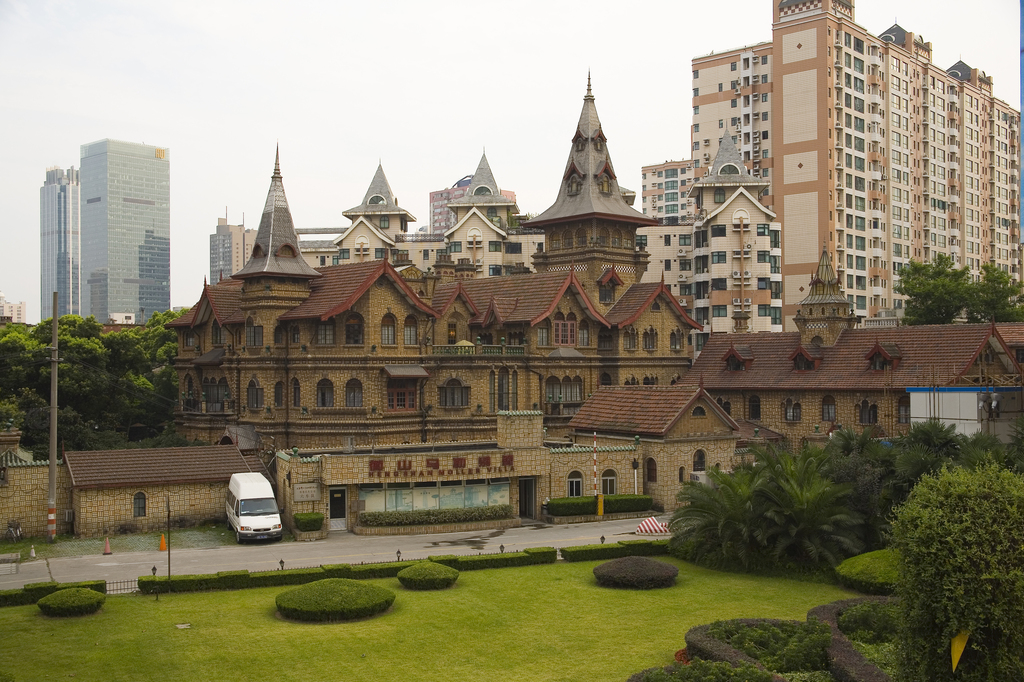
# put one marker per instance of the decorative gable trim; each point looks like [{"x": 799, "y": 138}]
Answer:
[
  {"x": 809, "y": 358},
  {"x": 610, "y": 275},
  {"x": 581, "y": 296},
  {"x": 890, "y": 353},
  {"x": 737, "y": 193},
  {"x": 385, "y": 269},
  {"x": 373, "y": 228},
  {"x": 474, "y": 210}
]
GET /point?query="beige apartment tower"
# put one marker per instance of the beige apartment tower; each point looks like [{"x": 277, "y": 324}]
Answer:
[
  {"x": 874, "y": 153},
  {"x": 230, "y": 247}
]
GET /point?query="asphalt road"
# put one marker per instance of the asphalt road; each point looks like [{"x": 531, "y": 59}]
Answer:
[{"x": 339, "y": 548}]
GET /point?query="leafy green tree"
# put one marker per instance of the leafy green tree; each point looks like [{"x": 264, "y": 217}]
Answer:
[
  {"x": 937, "y": 292},
  {"x": 960, "y": 545},
  {"x": 995, "y": 298}
]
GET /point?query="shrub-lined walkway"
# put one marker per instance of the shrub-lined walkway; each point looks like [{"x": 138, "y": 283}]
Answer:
[{"x": 548, "y": 622}]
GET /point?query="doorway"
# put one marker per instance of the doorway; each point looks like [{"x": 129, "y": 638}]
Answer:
[
  {"x": 338, "y": 508},
  {"x": 527, "y": 498}
]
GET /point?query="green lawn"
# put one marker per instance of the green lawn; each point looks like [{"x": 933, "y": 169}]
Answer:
[{"x": 547, "y": 622}]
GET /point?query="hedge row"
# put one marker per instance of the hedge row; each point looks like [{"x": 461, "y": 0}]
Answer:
[
  {"x": 33, "y": 592},
  {"x": 614, "y": 550},
  {"x": 427, "y": 517},
  {"x": 587, "y": 505},
  {"x": 308, "y": 522},
  {"x": 528, "y": 557},
  {"x": 428, "y": 575},
  {"x": 845, "y": 663}
]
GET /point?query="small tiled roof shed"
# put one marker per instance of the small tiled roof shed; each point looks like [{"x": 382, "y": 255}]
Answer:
[{"x": 116, "y": 491}]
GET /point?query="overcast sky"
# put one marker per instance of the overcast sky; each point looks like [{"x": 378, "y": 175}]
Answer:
[{"x": 424, "y": 87}]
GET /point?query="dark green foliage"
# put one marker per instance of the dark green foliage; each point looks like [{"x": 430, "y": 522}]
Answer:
[
  {"x": 783, "y": 646},
  {"x": 846, "y": 663},
  {"x": 612, "y": 550},
  {"x": 705, "y": 671},
  {"x": 936, "y": 292},
  {"x": 645, "y": 547},
  {"x": 960, "y": 539},
  {"x": 587, "y": 505},
  {"x": 472, "y": 563},
  {"x": 870, "y": 622},
  {"x": 636, "y": 573},
  {"x": 308, "y": 522},
  {"x": 700, "y": 644},
  {"x": 334, "y": 599},
  {"x": 617, "y": 504},
  {"x": 290, "y": 576},
  {"x": 37, "y": 591},
  {"x": 232, "y": 580},
  {"x": 428, "y": 575},
  {"x": 449, "y": 560},
  {"x": 542, "y": 555},
  {"x": 15, "y": 598},
  {"x": 73, "y": 601},
  {"x": 870, "y": 573},
  {"x": 337, "y": 570},
  {"x": 387, "y": 569},
  {"x": 572, "y": 506},
  {"x": 425, "y": 517}
]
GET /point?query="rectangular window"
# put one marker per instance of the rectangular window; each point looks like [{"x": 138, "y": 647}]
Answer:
[
  {"x": 565, "y": 333},
  {"x": 762, "y": 256},
  {"x": 455, "y": 247},
  {"x": 718, "y": 257},
  {"x": 685, "y": 239},
  {"x": 494, "y": 247},
  {"x": 764, "y": 310},
  {"x": 719, "y": 311},
  {"x": 861, "y": 263},
  {"x": 718, "y": 230},
  {"x": 345, "y": 254},
  {"x": 668, "y": 264},
  {"x": 718, "y": 284},
  {"x": 494, "y": 270},
  {"x": 543, "y": 336},
  {"x": 378, "y": 254}
]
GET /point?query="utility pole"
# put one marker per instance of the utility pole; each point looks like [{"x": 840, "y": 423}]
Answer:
[{"x": 51, "y": 512}]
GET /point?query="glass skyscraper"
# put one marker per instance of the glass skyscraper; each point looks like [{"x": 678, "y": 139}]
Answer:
[
  {"x": 126, "y": 229},
  {"x": 59, "y": 243}
]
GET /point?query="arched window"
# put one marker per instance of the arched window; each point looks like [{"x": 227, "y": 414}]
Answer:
[
  {"x": 726, "y": 405},
  {"x": 253, "y": 334},
  {"x": 699, "y": 461},
  {"x": 376, "y": 199},
  {"x": 482, "y": 191},
  {"x": 575, "y": 484},
  {"x": 139, "y": 505},
  {"x": 608, "y": 478},
  {"x": 554, "y": 390},
  {"x": 675, "y": 340},
  {"x": 651, "y": 470},
  {"x": 583, "y": 334},
  {"x": 325, "y": 333},
  {"x": 279, "y": 394},
  {"x": 296, "y": 393},
  {"x": 503, "y": 378},
  {"x": 903, "y": 410},
  {"x": 792, "y": 411},
  {"x": 278, "y": 334},
  {"x": 295, "y": 333},
  {"x": 492, "y": 212},
  {"x": 387, "y": 331},
  {"x": 801, "y": 363},
  {"x": 581, "y": 237},
  {"x": 353, "y": 330},
  {"x": 567, "y": 239},
  {"x": 604, "y": 184},
  {"x": 729, "y": 169},
  {"x": 754, "y": 407},
  {"x": 325, "y": 393},
  {"x": 254, "y": 394},
  {"x": 868, "y": 413},
  {"x": 719, "y": 196},
  {"x": 682, "y": 475},
  {"x": 650, "y": 339},
  {"x": 606, "y": 379},
  {"x": 453, "y": 394},
  {"x": 354, "y": 393},
  {"x": 629, "y": 338},
  {"x": 828, "y": 409},
  {"x": 699, "y": 411},
  {"x": 410, "y": 331},
  {"x": 216, "y": 334}
]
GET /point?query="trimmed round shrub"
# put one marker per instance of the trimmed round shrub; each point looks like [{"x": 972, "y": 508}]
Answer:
[
  {"x": 636, "y": 573},
  {"x": 428, "y": 575},
  {"x": 871, "y": 622},
  {"x": 308, "y": 522},
  {"x": 870, "y": 573},
  {"x": 334, "y": 599},
  {"x": 960, "y": 538},
  {"x": 74, "y": 601}
]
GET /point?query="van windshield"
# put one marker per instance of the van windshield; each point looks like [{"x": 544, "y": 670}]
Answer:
[{"x": 258, "y": 507}]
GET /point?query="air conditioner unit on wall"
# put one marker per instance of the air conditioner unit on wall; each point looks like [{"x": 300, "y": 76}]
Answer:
[{"x": 700, "y": 477}]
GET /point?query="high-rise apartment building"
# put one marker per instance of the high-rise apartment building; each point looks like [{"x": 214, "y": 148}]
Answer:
[
  {"x": 126, "y": 221},
  {"x": 442, "y": 218},
  {"x": 873, "y": 153},
  {"x": 663, "y": 197},
  {"x": 59, "y": 243},
  {"x": 230, "y": 248},
  {"x": 15, "y": 311}
]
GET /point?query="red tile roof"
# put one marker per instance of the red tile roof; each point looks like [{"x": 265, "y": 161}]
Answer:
[
  {"x": 928, "y": 354},
  {"x": 340, "y": 286},
  {"x": 639, "y": 298},
  {"x": 650, "y": 410},
  {"x": 223, "y": 298},
  {"x": 158, "y": 466}
]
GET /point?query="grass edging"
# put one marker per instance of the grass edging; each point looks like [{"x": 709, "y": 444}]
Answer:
[{"x": 845, "y": 663}]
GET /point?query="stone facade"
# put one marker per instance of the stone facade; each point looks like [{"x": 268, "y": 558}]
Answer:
[
  {"x": 110, "y": 511},
  {"x": 24, "y": 497}
]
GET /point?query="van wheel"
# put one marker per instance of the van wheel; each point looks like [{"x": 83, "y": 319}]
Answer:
[{"x": 238, "y": 538}]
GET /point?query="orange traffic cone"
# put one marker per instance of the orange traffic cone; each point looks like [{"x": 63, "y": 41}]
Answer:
[
  {"x": 106, "y": 547},
  {"x": 163, "y": 543}
]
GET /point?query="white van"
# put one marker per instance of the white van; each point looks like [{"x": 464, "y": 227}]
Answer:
[{"x": 251, "y": 508}]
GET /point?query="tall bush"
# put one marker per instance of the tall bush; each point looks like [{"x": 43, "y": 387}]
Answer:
[{"x": 960, "y": 544}]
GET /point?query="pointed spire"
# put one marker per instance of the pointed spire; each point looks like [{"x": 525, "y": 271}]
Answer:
[
  {"x": 276, "y": 251},
  {"x": 379, "y": 198},
  {"x": 483, "y": 177},
  {"x": 590, "y": 94}
]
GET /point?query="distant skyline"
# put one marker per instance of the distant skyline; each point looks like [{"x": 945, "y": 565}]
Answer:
[{"x": 342, "y": 86}]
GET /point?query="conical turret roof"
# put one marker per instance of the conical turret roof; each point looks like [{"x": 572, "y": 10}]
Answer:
[
  {"x": 824, "y": 285},
  {"x": 483, "y": 188},
  {"x": 728, "y": 168},
  {"x": 276, "y": 251},
  {"x": 589, "y": 186},
  {"x": 378, "y": 199}
]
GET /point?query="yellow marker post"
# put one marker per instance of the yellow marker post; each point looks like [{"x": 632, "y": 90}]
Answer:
[
  {"x": 600, "y": 505},
  {"x": 956, "y": 647}
]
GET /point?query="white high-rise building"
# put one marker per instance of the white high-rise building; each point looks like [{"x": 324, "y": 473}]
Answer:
[
  {"x": 15, "y": 311},
  {"x": 230, "y": 248}
]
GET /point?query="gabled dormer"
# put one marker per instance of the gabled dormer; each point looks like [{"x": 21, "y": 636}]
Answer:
[
  {"x": 806, "y": 359},
  {"x": 738, "y": 358},
  {"x": 883, "y": 356}
]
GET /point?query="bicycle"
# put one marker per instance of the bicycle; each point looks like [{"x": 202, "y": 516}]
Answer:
[{"x": 13, "y": 533}]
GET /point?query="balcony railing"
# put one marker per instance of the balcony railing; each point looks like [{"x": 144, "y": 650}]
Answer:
[{"x": 484, "y": 349}]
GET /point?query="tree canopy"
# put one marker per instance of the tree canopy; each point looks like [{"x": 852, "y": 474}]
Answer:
[
  {"x": 113, "y": 388},
  {"x": 939, "y": 293}
]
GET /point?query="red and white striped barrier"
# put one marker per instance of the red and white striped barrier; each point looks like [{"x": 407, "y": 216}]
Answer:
[{"x": 651, "y": 526}]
